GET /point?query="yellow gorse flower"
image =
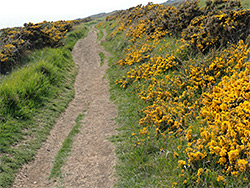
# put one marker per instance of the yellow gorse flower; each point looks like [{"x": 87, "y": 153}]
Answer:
[{"x": 179, "y": 90}]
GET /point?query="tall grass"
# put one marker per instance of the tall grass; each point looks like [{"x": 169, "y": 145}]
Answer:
[{"x": 72, "y": 37}]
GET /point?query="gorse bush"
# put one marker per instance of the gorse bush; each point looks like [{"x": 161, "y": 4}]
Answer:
[
  {"x": 213, "y": 26},
  {"x": 14, "y": 42},
  {"x": 189, "y": 66},
  {"x": 213, "y": 31},
  {"x": 178, "y": 20},
  {"x": 217, "y": 5},
  {"x": 158, "y": 20}
]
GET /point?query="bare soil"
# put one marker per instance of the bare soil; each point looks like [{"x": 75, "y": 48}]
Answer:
[{"x": 91, "y": 161}]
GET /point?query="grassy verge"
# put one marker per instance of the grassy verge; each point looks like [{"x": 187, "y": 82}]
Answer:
[
  {"x": 80, "y": 31},
  {"x": 31, "y": 98},
  {"x": 63, "y": 153},
  {"x": 143, "y": 165}
]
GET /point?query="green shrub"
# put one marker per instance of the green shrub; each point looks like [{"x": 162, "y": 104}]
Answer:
[{"x": 213, "y": 31}]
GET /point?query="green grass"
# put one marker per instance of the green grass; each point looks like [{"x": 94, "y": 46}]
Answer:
[
  {"x": 245, "y": 3},
  {"x": 102, "y": 56},
  {"x": 31, "y": 98},
  {"x": 65, "y": 150},
  {"x": 143, "y": 165},
  {"x": 79, "y": 31}
]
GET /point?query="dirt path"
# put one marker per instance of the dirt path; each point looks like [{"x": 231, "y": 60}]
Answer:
[{"x": 91, "y": 160}]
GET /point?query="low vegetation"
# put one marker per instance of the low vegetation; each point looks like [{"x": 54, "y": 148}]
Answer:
[
  {"x": 31, "y": 98},
  {"x": 17, "y": 42},
  {"x": 180, "y": 77}
]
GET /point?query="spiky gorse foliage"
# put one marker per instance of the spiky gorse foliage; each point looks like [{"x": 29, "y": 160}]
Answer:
[
  {"x": 202, "y": 99},
  {"x": 206, "y": 32},
  {"x": 15, "y": 41}
]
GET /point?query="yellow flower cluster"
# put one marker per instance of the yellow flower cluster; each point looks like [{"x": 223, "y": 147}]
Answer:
[
  {"x": 154, "y": 67},
  {"x": 155, "y": 21},
  {"x": 223, "y": 132},
  {"x": 201, "y": 101},
  {"x": 226, "y": 113},
  {"x": 137, "y": 55},
  {"x": 15, "y": 41},
  {"x": 207, "y": 31}
]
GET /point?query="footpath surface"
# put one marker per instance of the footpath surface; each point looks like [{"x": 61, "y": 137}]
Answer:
[{"x": 92, "y": 159}]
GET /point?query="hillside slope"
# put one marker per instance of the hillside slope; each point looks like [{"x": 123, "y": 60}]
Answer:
[{"x": 180, "y": 76}]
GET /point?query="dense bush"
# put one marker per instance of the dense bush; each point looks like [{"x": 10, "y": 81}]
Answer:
[
  {"x": 15, "y": 41},
  {"x": 216, "y": 30},
  {"x": 215, "y": 25},
  {"x": 194, "y": 88}
]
